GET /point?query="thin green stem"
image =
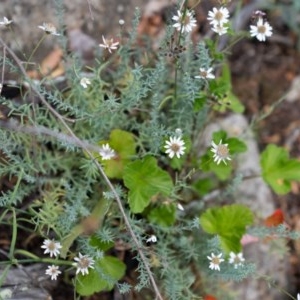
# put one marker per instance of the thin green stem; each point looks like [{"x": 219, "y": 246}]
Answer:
[
  {"x": 16, "y": 188},
  {"x": 14, "y": 235},
  {"x": 3, "y": 275},
  {"x": 184, "y": 4},
  {"x": 264, "y": 115},
  {"x": 175, "y": 81},
  {"x": 39, "y": 260},
  {"x": 235, "y": 41},
  {"x": 35, "y": 49},
  {"x": 3, "y": 65},
  {"x": 3, "y": 215}
]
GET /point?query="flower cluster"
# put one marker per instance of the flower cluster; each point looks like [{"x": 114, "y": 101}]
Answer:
[
  {"x": 235, "y": 259},
  {"x": 53, "y": 248},
  {"x": 262, "y": 29},
  {"x": 82, "y": 262},
  {"x": 219, "y": 19}
]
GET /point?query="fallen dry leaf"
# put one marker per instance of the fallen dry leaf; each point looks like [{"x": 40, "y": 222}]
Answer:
[{"x": 50, "y": 66}]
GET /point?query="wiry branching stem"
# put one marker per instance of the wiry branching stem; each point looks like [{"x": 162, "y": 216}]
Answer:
[{"x": 83, "y": 145}]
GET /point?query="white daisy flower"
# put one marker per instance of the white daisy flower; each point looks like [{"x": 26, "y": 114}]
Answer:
[
  {"x": 83, "y": 263},
  {"x": 236, "y": 259},
  {"x": 219, "y": 29},
  {"x": 205, "y": 74},
  {"x": 215, "y": 261},
  {"x": 53, "y": 271},
  {"x": 109, "y": 44},
  {"x": 221, "y": 152},
  {"x": 84, "y": 82},
  {"x": 184, "y": 21},
  {"x": 261, "y": 30},
  {"x": 49, "y": 28},
  {"x": 106, "y": 152},
  {"x": 218, "y": 16},
  {"x": 152, "y": 239},
  {"x": 51, "y": 247},
  {"x": 175, "y": 146},
  {"x": 5, "y": 22},
  {"x": 298, "y": 296}
]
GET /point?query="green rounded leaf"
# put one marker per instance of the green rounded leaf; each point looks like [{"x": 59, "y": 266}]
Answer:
[
  {"x": 236, "y": 146},
  {"x": 144, "y": 179},
  {"x": 124, "y": 144},
  {"x": 278, "y": 170},
  {"x": 106, "y": 273},
  {"x": 221, "y": 170},
  {"x": 229, "y": 223}
]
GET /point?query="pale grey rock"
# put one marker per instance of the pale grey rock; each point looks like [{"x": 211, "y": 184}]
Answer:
[{"x": 255, "y": 194}]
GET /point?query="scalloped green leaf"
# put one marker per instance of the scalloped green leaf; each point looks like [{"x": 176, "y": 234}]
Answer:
[
  {"x": 278, "y": 170},
  {"x": 236, "y": 146},
  {"x": 124, "y": 144},
  {"x": 229, "y": 223},
  {"x": 223, "y": 89},
  {"x": 219, "y": 135},
  {"x": 144, "y": 179},
  {"x": 200, "y": 101},
  {"x": 221, "y": 170},
  {"x": 111, "y": 269}
]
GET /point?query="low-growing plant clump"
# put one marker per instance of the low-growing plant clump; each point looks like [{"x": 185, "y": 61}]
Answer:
[{"x": 116, "y": 162}]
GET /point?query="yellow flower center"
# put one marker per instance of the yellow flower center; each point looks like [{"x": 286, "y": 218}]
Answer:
[
  {"x": 222, "y": 151},
  {"x": 175, "y": 147},
  {"x": 84, "y": 263},
  {"x": 215, "y": 260},
  {"x": 219, "y": 16},
  {"x": 261, "y": 29},
  {"x": 237, "y": 260},
  {"x": 203, "y": 74},
  {"x": 51, "y": 246}
]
